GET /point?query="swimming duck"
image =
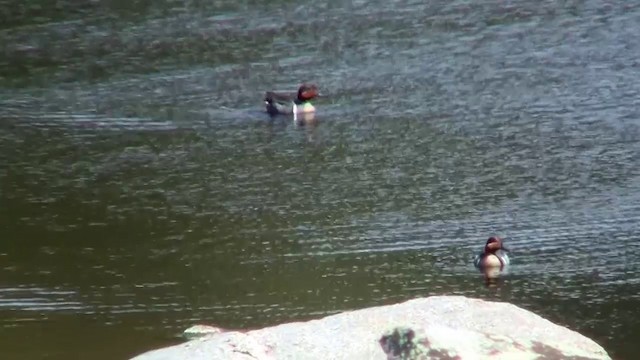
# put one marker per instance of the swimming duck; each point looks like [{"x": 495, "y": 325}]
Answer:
[
  {"x": 287, "y": 104},
  {"x": 493, "y": 256}
]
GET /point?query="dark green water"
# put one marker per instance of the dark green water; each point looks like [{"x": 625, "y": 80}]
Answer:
[{"x": 142, "y": 189}]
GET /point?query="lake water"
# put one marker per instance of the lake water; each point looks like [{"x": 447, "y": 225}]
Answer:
[{"x": 143, "y": 189}]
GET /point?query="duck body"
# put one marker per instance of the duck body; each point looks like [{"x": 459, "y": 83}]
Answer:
[
  {"x": 493, "y": 255},
  {"x": 483, "y": 260},
  {"x": 278, "y": 103}
]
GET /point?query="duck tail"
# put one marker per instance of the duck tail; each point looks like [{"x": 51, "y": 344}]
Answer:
[
  {"x": 271, "y": 103},
  {"x": 268, "y": 97}
]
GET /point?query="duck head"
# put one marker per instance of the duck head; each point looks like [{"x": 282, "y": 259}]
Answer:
[
  {"x": 307, "y": 92},
  {"x": 494, "y": 244}
]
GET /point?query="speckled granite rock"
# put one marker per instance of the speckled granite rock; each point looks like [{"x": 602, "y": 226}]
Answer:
[{"x": 442, "y": 327}]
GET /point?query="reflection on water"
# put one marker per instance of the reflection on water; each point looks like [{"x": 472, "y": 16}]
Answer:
[{"x": 143, "y": 190}]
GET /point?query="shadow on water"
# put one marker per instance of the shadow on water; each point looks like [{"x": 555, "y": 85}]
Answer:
[{"x": 142, "y": 190}]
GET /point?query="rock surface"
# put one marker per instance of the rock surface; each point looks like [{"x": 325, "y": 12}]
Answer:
[{"x": 441, "y": 327}]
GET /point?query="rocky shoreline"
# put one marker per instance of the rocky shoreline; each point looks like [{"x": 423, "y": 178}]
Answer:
[{"x": 439, "y": 327}]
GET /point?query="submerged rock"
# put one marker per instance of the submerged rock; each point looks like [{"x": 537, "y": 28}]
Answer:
[
  {"x": 198, "y": 331},
  {"x": 442, "y": 327}
]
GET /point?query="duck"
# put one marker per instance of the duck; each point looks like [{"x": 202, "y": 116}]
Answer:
[
  {"x": 278, "y": 103},
  {"x": 494, "y": 255}
]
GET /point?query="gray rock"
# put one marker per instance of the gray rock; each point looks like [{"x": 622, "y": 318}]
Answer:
[
  {"x": 437, "y": 342},
  {"x": 442, "y": 327}
]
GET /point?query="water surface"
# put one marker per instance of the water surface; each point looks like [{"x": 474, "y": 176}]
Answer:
[{"x": 142, "y": 190}]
